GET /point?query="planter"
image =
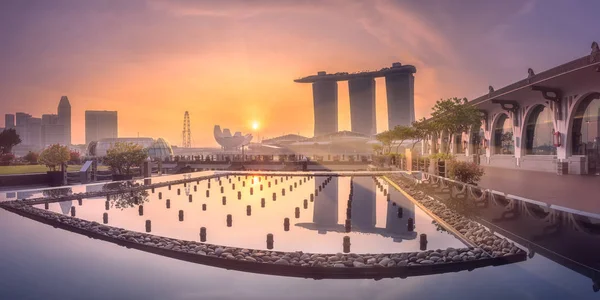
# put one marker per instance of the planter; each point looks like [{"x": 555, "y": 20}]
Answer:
[
  {"x": 56, "y": 178},
  {"x": 119, "y": 177}
]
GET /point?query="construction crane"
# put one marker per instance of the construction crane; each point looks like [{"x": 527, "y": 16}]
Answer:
[{"x": 187, "y": 132}]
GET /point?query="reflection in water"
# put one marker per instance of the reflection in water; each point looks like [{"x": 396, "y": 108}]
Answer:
[
  {"x": 364, "y": 212},
  {"x": 126, "y": 199}
]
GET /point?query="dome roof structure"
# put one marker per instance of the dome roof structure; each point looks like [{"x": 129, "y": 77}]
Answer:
[{"x": 160, "y": 149}]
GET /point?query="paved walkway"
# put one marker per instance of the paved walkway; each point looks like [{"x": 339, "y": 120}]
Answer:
[{"x": 572, "y": 191}]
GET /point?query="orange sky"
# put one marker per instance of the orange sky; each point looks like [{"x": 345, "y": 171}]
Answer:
[{"x": 231, "y": 63}]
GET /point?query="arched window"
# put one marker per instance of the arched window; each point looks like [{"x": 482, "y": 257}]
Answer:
[
  {"x": 586, "y": 126},
  {"x": 538, "y": 132},
  {"x": 503, "y": 136}
]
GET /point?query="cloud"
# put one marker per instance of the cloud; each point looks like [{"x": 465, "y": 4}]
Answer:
[{"x": 238, "y": 8}]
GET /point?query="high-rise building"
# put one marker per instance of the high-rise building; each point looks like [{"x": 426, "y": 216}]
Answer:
[
  {"x": 400, "y": 99},
  {"x": 325, "y": 97},
  {"x": 9, "y": 121},
  {"x": 100, "y": 125},
  {"x": 362, "y": 105},
  {"x": 52, "y": 131},
  {"x": 34, "y": 132},
  {"x": 64, "y": 118}
]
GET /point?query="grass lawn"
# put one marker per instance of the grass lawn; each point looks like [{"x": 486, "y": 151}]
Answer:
[{"x": 6, "y": 170}]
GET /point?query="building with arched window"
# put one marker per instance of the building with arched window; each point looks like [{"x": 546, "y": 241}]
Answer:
[{"x": 548, "y": 121}]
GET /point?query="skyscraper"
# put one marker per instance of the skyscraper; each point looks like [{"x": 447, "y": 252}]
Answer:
[
  {"x": 9, "y": 121},
  {"x": 64, "y": 118},
  {"x": 52, "y": 131},
  {"x": 400, "y": 99},
  {"x": 100, "y": 125}
]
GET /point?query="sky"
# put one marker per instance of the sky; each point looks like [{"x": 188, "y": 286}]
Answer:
[{"x": 233, "y": 62}]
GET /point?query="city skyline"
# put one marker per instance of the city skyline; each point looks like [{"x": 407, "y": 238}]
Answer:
[{"x": 205, "y": 57}]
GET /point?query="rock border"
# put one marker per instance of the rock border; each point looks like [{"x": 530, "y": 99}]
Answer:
[{"x": 476, "y": 233}]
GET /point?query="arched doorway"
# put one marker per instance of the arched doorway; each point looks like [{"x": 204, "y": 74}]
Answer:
[
  {"x": 586, "y": 131},
  {"x": 538, "y": 132},
  {"x": 503, "y": 136}
]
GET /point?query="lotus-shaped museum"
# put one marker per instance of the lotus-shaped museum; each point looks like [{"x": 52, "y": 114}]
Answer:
[{"x": 231, "y": 142}]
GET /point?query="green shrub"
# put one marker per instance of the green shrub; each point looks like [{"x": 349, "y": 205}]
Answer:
[
  {"x": 466, "y": 172},
  {"x": 54, "y": 156}
]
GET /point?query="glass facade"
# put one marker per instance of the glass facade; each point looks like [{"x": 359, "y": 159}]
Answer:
[
  {"x": 160, "y": 149},
  {"x": 586, "y": 132},
  {"x": 156, "y": 149},
  {"x": 503, "y": 136},
  {"x": 538, "y": 132}
]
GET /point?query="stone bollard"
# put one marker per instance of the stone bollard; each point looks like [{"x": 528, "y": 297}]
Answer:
[
  {"x": 320, "y": 188},
  {"x": 229, "y": 180},
  {"x": 275, "y": 181},
  {"x": 423, "y": 241},
  {"x": 169, "y": 187},
  {"x": 72, "y": 211},
  {"x": 400, "y": 212},
  {"x": 207, "y": 193},
  {"x": 46, "y": 206},
  {"x": 204, "y": 206},
  {"x": 79, "y": 201},
  {"x": 385, "y": 193},
  {"x": 159, "y": 195},
  {"x": 239, "y": 195},
  {"x": 251, "y": 191},
  {"x": 180, "y": 215},
  {"x": 152, "y": 190},
  {"x": 270, "y": 241},
  {"x": 389, "y": 197},
  {"x": 141, "y": 210},
  {"x": 195, "y": 188},
  {"x": 411, "y": 225},
  {"x": 274, "y": 196},
  {"x": 291, "y": 188},
  {"x": 305, "y": 203},
  {"x": 203, "y": 234},
  {"x": 220, "y": 183},
  {"x": 282, "y": 192},
  {"x": 286, "y": 224},
  {"x": 208, "y": 185},
  {"x": 269, "y": 184},
  {"x": 348, "y": 225},
  {"x": 224, "y": 200},
  {"x": 312, "y": 197},
  {"x": 346, "y": 244},
  {"x": 190, "y": 198},
  {"x": 295, "y": 184},
  {"x": 105, "y": 218},
  {"x": 239, "y": 178},
  {"x": 262, "y": 202},
  {"x": 248, "y": 210},
  {"x": 297, "y": 212},
  {"x": 222, "y": 190},
  {"x": 233, "y": 186},
  {"x": 107, "y": 205},
  {"x": 243, "y": 184},
  {"x": 229, "y": 220},
  {"x": 168, "y": 203},
  {"x": 261, "y": 187},
  {"x": 185, "y": 184},
  {"x": 148, "y": 226}
]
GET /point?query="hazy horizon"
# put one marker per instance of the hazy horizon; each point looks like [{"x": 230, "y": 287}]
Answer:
[{"x": 233, "y": 62}]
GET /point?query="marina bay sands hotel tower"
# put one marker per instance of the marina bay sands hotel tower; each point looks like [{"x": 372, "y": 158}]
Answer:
[{"x": 399, "y": 82}]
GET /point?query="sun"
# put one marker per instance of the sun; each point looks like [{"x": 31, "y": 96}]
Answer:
[{"x": 255, "y": 125}]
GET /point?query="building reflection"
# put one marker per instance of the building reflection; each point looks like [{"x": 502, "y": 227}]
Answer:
[
  {"x": 571, "y": 239},
  {"x": 364, "y": 210}
]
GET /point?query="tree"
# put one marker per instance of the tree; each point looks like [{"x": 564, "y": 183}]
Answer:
[
  {"x": 6, "y": 158},
  {"x": 54, "y": 156},
  {"x": 31, "y": 157},
  {"x": 8, "y": 139},
  {"x": 421, "y": 130},
  {"x": 74, "y": 157},
  {"x": 454, "y": 116},
  {"x": 402, "y": 133},
  {"x": 385, "y": 138},
  {"x": 121, "y": 157}
]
